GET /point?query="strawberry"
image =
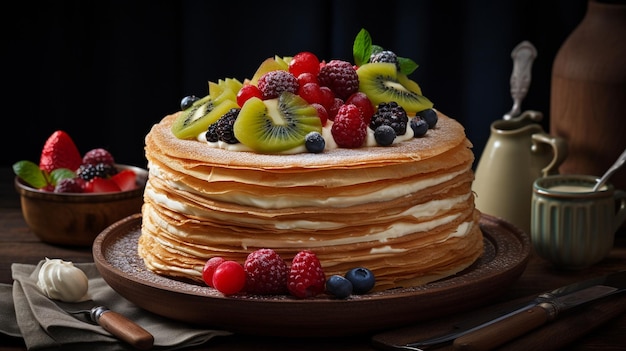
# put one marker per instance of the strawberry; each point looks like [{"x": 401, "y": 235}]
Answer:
[
  {"x": 101, "y": 185},
  {"x": 59, "y": 151},
  {"x": 306, "y": 276},
  {"x": 125, "y": 179}
]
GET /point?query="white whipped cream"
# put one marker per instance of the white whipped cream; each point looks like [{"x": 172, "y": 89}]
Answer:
[
  {"x": 61, "y": 280},
  {"x": 370, "y": 140}
]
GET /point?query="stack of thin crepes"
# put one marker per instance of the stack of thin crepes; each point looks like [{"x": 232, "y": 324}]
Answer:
[{"x": 406, "y": 212}]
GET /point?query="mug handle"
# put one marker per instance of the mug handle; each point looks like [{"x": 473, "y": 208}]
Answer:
[
  {"x": 559, "y": 150},
  {"x": 620, "y": 216}
]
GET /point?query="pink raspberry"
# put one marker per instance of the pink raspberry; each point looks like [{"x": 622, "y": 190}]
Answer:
[
  {"x": 99, "y": 155},
  {"x": 340, "y": 76},
  {"x": 266, "y": 273},
  {"x": 349, "y": 129},
  {"x": 70, "y": 185},
  {"x": 273, "y": 83},
  {"x": 306, "y": 276}
]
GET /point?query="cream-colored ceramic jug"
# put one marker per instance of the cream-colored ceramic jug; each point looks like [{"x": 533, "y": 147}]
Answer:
[{"x": 518, "y": 151}]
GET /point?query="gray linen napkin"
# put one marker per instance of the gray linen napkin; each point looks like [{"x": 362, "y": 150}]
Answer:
[{"x": 45, "y": 325}]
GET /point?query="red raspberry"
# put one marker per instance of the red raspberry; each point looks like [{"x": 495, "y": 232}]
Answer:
[
  {"x": 340, "y": 76},
  {"x": 266, "y": 273},
  {"x": 273, "y": 83},
  {"x": 349, "y": 129},
  {"x": 70, "y": 185},
  {"x": 306, "y": 276},
  {"x": 99, "y": 155}
]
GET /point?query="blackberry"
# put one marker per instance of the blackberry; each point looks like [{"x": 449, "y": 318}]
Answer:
[
  {"x": 390, "y": 114},
  {"x": 386, "y": 56},
  {"x": 224, "y": 126},
  {"x": 211, "y": 133},
  {"x": 89, "y": 171},
  {"x": 341, "y": 77}
]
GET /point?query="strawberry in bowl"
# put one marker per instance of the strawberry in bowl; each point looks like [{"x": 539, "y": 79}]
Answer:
[{"x": 69, "y": 198}]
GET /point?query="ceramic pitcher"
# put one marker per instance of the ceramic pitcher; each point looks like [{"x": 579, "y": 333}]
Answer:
[{"x": 518, "y": 151}]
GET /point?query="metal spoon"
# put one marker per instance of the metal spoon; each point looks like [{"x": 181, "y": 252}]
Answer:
[
  {"x": 618, "y": 163},
  {"x": 523, "y": 56}
]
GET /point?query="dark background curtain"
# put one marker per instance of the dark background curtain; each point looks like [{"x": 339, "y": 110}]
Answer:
[{"x": 106, "y": 71}]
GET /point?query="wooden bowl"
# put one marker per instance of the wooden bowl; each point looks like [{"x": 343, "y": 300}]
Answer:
[{"x": 76, "y": 219}]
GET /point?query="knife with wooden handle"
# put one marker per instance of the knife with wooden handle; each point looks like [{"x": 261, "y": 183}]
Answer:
[
  {"x": 499, "y": 333},
  {"x": 122, "y": 327}
]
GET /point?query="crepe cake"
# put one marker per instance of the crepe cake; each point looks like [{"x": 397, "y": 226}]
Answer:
[{"x": 405, "y": 211}]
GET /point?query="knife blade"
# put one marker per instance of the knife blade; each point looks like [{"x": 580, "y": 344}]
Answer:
[
  {"x": 554, "y": 303},
  {"x": 495, "y": 315},
  {"x": 115, "y": 323}
]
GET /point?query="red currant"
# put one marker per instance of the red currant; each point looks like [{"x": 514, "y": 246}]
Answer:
[
  {"x": 307, "y": 77},
  {"x": 209, "y": 268},
  {"x": 246, "y": 92},
  {"x": 304, "y": 62},
  {"x": 321, "y": 112},
  {"x": 361, "y": 101},
  {"x": 229, "y": 277},
  {"x": 311, "y": 93}
]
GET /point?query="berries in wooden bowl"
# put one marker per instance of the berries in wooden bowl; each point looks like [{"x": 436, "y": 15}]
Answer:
[{"x": 69, "y": 198}]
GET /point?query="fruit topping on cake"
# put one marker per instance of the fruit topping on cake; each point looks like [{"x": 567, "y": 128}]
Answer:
[
  {"x": 61, "y": 169},
  {"x": 289, "y": 97}
]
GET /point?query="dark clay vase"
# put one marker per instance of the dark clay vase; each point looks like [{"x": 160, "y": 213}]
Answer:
[{"x": 588, "y": 93}]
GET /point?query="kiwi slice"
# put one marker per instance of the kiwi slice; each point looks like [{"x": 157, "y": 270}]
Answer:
[
  {"x": 197, "y": 118},
  {"x": 382, "y": 82},
  {"x": 276, "y": 125}
]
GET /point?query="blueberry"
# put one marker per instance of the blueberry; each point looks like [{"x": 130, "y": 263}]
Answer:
[
  {"x": 419, "y": 126},
  {"x": 384, "y": 135},
  {"x": 362, "y": 280},
  {"x": 314, "y": 142},
  {"x": 187, "y": 101},
  {"x": 430, "y": 116},
  {"x": 338, "y": 286}
]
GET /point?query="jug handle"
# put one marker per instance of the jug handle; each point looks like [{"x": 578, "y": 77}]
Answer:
[{"x": 559, "y": 150}]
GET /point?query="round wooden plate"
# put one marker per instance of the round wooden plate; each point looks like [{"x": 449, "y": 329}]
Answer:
[{"x": 115, "y": 254}]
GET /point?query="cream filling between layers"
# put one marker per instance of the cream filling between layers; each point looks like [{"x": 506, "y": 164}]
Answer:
[{"x": 391, "y": 192}]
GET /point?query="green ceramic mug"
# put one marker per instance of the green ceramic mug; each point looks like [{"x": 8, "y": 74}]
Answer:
[{"x": 572, "y": 226}]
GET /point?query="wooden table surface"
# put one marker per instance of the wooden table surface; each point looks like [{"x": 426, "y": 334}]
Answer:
[{"x": 19, "y": 244}]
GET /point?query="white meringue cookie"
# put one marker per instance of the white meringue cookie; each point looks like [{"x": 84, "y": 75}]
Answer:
[{"x": 61, "y": 280}]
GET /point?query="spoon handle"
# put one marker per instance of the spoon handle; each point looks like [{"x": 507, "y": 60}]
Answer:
[
  {"x": 523, "y": 56},
  {"x": 618, "y": 163}
]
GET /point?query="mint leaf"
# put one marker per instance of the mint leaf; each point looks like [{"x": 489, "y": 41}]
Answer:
[
  {"x": 30, "y": 173},
  {"x": 407, "y": 66},
  {"x": 61, "y": 173},
  {"x": 362, "y": 47},
  {"x": 376, "y": 49}
]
